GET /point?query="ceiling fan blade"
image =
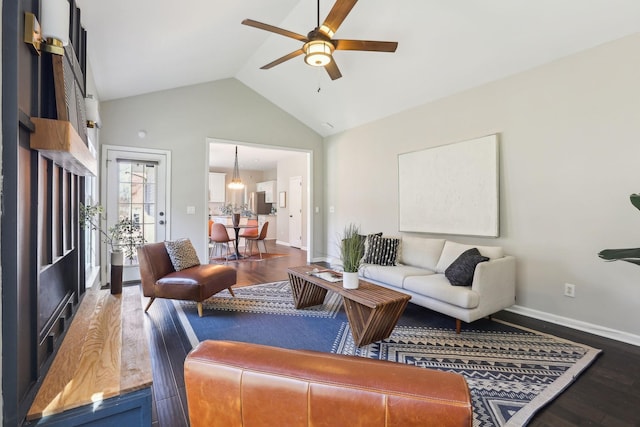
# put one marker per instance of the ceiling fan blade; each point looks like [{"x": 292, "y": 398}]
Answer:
[
  {"x": 333, "y": 70},
  {"x": 271, "y": 28},
  {"x": 367, "y": 45},
  {"x": 282, "y": 59},
  {"x": 338, "y": 12}
]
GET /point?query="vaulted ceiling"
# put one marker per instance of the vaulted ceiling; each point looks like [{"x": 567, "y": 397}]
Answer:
[{"x": 444, "y": 47}]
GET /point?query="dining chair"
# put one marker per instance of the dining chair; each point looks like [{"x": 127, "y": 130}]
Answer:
[
  {"x": 219, "y": 238},
  {"x": 257, "y": 240},
  {"x": 250, "y": 231}
]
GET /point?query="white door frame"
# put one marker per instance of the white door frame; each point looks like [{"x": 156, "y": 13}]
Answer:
[{"x": 140, "y": 151}]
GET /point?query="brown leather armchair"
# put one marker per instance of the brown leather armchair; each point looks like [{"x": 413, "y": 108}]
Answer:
[
  {"x": 160, "y": 280},
  {"x": 235, "y": 384}
]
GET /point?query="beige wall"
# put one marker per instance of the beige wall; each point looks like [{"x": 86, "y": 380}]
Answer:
[
  {"x": 182, "y": 119},
  {"x": 570, "y": 144}
]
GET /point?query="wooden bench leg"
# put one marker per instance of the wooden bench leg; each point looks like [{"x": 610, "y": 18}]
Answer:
[
  {"x": 149, "y": 304},
  {"x": 200, "y": 309},
  {"x": 458, "y": 326},
  {"x": 231, "y": 291}
]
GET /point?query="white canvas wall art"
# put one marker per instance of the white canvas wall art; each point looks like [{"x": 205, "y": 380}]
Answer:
[{"x": 451, "y": 189}]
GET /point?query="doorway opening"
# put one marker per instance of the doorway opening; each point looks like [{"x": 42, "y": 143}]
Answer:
[{"x": 270, "y": 167}]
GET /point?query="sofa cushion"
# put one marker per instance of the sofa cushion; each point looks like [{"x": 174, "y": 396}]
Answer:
[
  {"x": 381, "y": 250},
  {"x": 420, "y": 252},
  {"x": 182, "y": 253},
  {"x": 460, "y": 272},
  {"x": 391, "y": 275},
  {"x": 437, "y": 286},
  {"x": 452, "y": 251}
]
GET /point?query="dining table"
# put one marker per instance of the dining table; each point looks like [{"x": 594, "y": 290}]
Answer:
[{"x": 236, "y": 228}]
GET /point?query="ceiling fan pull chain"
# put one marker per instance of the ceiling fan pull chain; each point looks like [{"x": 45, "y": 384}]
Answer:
[{"x": 319, "y": 81}]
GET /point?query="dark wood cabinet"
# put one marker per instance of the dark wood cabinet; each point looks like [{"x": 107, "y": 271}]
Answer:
[{"x": 42, "y": 243}]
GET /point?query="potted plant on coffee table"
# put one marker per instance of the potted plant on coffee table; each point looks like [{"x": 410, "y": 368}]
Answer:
[
  {"x": 351, "y": 253},
  {"x": 123, "y": 238}
]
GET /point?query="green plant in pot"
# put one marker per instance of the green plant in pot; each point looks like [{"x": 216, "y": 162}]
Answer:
[
  {"x": 123, "y": 238},
  {"x": 351, "y": 253},
  {"x": 628, "y": 255}
]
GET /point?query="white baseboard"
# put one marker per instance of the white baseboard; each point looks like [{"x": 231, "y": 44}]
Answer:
[
  {"x": 577, "y": 324},
  {"x": 278, "y": 242}
]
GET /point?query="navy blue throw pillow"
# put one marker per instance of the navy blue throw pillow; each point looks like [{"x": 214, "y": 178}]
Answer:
[{"x": 460, "y": 272}]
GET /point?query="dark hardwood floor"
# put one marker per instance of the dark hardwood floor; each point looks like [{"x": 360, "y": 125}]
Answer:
[{"x": 607, "y": 394}]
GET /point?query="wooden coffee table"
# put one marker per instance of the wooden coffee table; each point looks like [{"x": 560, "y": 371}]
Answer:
[{"x": 372, "y": 310}]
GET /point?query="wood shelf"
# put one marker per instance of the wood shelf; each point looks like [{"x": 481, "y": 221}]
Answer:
[
  {"x": 58, "y": 140},
  {"x": 104, "y": 356}
]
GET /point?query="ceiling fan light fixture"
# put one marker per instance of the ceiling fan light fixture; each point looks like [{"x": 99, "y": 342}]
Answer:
[
  {"x": 318, "y": 45},
  {"x": 326, "y": 30},
  {"x": 318, "y": 53}
]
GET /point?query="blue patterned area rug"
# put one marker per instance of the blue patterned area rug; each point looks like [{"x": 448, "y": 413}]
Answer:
[{"x": 512, "y": 372}]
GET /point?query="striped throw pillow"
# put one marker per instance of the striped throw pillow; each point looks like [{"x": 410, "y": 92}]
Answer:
[{"x": 381, "y": 250}]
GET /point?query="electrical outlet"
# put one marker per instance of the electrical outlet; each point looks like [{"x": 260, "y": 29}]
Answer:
[{"x": 569, "y": 290}]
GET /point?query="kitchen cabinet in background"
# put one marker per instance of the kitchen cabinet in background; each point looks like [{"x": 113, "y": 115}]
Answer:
[
  {"x": 217, "y": 187},
  {"x": 269, "y": 188}
]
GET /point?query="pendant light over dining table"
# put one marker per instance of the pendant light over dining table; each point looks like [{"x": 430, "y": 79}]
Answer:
[{"x": 236, "y": 182}]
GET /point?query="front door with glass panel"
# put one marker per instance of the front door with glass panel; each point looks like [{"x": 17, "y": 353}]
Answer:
[{"x": 136, "y": 190}]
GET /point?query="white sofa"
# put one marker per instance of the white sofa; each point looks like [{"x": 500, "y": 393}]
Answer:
[{"x": 420, "y": 271}]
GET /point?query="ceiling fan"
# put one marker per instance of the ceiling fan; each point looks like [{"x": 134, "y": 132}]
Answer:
[{"x": 319, "y": 43}]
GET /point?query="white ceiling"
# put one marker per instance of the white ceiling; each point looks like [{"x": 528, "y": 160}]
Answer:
[
  {"x": 444, "y": 47},
  {"x": 250, "y": 157}
]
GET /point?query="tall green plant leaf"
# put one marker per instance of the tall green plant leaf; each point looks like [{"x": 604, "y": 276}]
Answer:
[
  {"x": 628, "y": 255},
  {"x": 351, "y": 248}
]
